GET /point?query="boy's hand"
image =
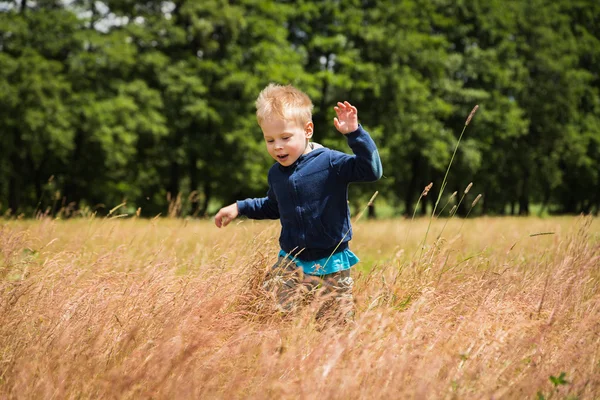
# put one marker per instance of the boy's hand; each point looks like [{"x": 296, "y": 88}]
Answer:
[
  {"x": 347, "y": 118},
  {"x": 226, "y": 215}
]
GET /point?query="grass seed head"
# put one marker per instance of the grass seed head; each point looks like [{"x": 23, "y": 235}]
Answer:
[
  {"x": 473, "y": 111},
  {"x": 468, "y": 187},
  {"x": 427, "y": 189}
]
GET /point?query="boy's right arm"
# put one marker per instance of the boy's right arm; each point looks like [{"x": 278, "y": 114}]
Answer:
[
  {"x": 261, "y": 208},
  {"x": 226, "y": 215}
]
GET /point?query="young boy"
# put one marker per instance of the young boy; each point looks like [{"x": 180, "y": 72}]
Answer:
[{"x": 308, "y": 193}]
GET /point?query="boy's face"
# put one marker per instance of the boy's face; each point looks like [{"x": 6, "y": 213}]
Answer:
[{"x": 286, "y": 140}]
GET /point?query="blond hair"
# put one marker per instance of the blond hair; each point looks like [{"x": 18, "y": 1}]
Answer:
[{"x": 286, "y": 102}]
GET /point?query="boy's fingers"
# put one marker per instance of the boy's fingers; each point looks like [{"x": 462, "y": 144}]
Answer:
[
  {"x": 343, "y": 106},
  {"x": 336, "y": 123},
  {"x": 220, "y": 219}
]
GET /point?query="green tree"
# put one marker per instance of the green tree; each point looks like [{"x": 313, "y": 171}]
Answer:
[{"x": 37, "y": 129}]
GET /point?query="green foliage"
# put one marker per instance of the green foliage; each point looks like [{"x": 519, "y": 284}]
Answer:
[
  {"x": 105, "y": 102},
  {"x": 560, "y": 380},
  {"x": 557, "y": 382}
]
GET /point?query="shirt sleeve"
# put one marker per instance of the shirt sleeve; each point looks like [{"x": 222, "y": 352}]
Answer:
[
  {"x": 260, "y": 208},
  {"x": 365, "y": 164}
]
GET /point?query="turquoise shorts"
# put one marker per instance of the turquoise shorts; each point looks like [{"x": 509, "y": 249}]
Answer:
[{"x": 328, "y": 265}]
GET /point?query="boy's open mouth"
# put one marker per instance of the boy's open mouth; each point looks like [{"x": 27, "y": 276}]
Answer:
[{"x": 283, "y": 157}]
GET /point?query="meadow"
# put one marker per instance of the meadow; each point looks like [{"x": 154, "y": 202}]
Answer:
[{"x": 132, "y": 308}]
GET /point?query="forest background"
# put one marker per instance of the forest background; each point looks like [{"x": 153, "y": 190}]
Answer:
[{"x": 151, "y": 103}]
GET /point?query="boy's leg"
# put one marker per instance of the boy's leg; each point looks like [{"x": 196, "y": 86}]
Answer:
[
  {"x": 283, "y": 280},
  {"x": 345, "y": 298},
  {"x": 338, "y": 285}
]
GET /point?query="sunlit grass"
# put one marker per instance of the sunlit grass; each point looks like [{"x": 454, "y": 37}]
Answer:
[{"x": 165, "y": 308}]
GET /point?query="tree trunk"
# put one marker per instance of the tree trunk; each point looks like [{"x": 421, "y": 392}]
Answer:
[
  {"x": 486, "y": 206},
  {"x": 94, "y": 16},
  {"x": 194, "y": 193},
  {"x": 524, "y": 197},
  {"x": 14, "y": 182},
  {"x": 570, "y": 205},
  {"x": 586, "y": 207},
  {"x": 14, "y": 195},
  {"x": 545, "y": 202},
  {"x": 37, "y": 171},
  {"x": 72, "y": 189},
  {"x": 173, "y": 187},
  {"x": 424, "y": 204},
  {"x": 371, "y": 212},
  {"x": 410, "y": 190},
  {"x": 207, "y": 190}
]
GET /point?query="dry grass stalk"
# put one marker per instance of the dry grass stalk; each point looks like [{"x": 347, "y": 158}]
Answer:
[{"x": 162, "y": 309}]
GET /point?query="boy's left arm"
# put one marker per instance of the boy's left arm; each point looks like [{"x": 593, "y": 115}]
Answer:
[{"x": 365, "y": 164}]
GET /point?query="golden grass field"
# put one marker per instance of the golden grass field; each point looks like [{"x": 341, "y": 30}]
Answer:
[{"x": 165, "y": 308}]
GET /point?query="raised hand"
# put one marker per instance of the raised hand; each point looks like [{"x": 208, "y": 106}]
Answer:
[{"x": 347, "y": 117}]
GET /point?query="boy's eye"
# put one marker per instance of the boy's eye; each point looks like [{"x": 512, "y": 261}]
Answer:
[
  {"x": 286, "y": 138},
  {"x": 270, "y": 140}
]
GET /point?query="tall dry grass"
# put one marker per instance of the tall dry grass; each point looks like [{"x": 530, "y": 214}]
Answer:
[{"x": 173, "y": 309}]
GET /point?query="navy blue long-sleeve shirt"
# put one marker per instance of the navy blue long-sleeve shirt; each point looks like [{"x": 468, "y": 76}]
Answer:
[{"x": 310, "y": 197}]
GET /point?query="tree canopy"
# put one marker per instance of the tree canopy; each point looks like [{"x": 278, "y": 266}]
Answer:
[{"x": 152, "y": 104}]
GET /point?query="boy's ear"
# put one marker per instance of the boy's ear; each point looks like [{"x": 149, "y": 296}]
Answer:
[{"x": 308, "y": 129}]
